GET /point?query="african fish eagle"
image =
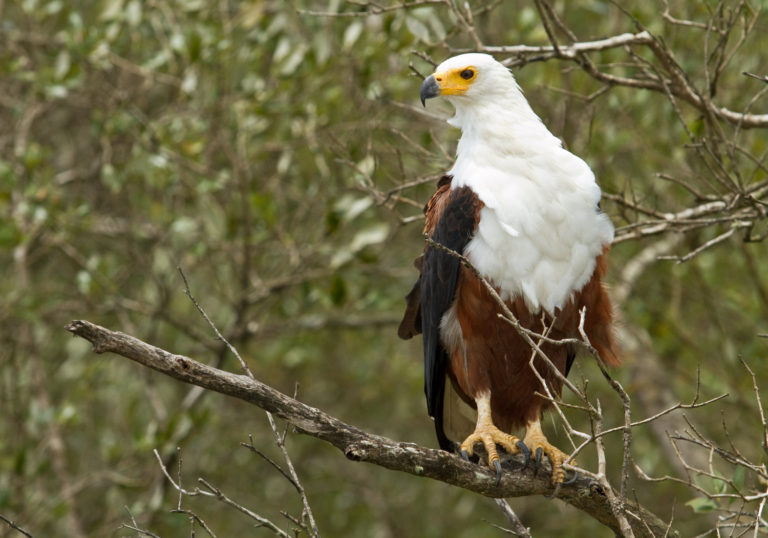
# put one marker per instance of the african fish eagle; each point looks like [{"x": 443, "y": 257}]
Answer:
[{"x": 524, "y": 211}]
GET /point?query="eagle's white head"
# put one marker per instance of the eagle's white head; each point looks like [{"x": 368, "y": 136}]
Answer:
[
  {"x": 469, "y": 79},
  {"x": 485, "y": 95}
]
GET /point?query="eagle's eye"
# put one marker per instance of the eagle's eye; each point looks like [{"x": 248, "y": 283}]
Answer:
[{"x": 467, "y": 74}]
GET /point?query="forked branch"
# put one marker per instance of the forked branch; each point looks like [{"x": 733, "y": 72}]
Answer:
[{"x": 584, "y": 493}]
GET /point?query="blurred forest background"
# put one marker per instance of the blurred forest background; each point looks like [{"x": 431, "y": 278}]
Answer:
[{"x": 278, "y": 154}]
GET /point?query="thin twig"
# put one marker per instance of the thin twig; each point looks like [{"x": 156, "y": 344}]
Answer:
[
  {"x": 195, "y": 519},
  {"x": 250, "y": 446},
  {"x": 759, "y": 402},
  {"x": 294, "y": 477},
  {"x": 15, "y": 526},
  {"x": 217, "y": 494},
  {"x": 135, "y": 526},
  {"x": 517, "y": 526},
  {"x": 231, "y": 348}
]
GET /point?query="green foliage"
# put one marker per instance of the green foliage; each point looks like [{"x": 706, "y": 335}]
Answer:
[
  {"x": 246, "y": 142},
  {"x": 702, "y": 504}
]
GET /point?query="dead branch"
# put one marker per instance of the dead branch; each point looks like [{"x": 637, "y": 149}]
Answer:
[
  {"x": 584, "y": 493},
  {"x": 15, "y": 526},
  {"x": 217, "y": 494},
  {"x": 517, "y": 526}
]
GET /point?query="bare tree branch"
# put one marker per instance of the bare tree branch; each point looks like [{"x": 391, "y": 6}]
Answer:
[
  {"x": 584, "y": 493},
  {"x": 571, "y": 51},
  {"x": 15, "y": 526},
  {"x": 280, "y": 440},
  {"x": 216, "y": 493},
  {"x": 517, "y": 526}
]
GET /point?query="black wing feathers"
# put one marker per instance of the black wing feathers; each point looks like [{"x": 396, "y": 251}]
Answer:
[
  {"x": 439, "y": 276},
  {"x": 411, "y": 324},
  {"x": 569, "y": 358}
]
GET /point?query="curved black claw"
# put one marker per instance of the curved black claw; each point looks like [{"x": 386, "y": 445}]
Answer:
[
  {"x": 497, "y": 465},
  {"x": 537, "y": 463},
  {"x": 571, "y": 480},
  {"x": 526, "y": 453},
  {"x": 464, "y": 455},
  {"x": 568, "y": 482}
]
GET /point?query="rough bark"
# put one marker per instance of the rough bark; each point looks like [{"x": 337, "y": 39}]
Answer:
[{"x": 358, "y": 445}]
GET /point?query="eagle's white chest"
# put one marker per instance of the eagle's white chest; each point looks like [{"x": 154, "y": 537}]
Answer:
[{"x": 540, "y": 230}]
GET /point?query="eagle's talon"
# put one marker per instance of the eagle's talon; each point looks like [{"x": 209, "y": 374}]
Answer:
[
  {"x": 537, "y": 462},
  {"x": 526, "y": 453},
  {"x": 490, "y": 436},
  {"x": 571, "y": 480},
  {"x": 536, "y": 441},
  {"x": 464, "y": 455}
]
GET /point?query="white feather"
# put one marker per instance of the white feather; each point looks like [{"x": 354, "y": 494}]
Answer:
[{"x": 540, "y": 230}]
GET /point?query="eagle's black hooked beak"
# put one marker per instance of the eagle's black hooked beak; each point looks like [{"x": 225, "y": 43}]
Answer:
[{"x": 429, "y": 89}]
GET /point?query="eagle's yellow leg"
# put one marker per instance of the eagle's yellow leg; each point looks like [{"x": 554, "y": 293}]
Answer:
[
  {"x": 489, "y": 435},
  {"x": 537, "y": 443}
]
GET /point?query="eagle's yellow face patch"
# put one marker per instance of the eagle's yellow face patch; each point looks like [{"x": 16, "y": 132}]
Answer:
[{"x": 456, "y": 81}]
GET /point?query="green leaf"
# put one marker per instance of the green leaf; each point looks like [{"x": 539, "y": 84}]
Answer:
[
  {"x": 738, "y": 477},
  {"x": 112, "y": 9},
  {"x": 348, "y": 207},
  {"x": 351, "y": 34},
  {"x": 369, "y": 236},
  {"x": 338, "y": 290},
  {"x": 418, "y": 29},
  {"x": 63, "y": 64},
  {"x": 703, "y": 504},
  {"x": 133, "y": 12}
]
